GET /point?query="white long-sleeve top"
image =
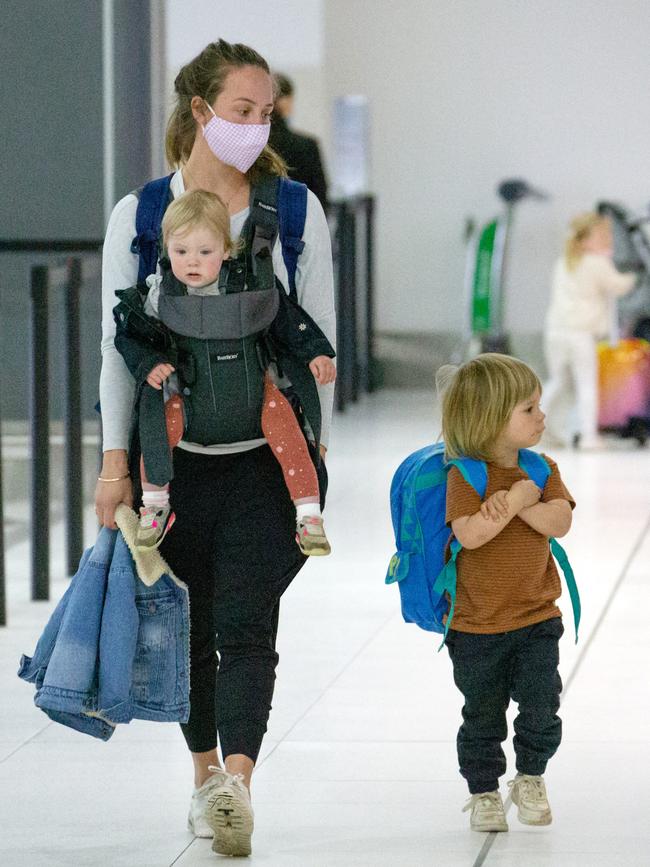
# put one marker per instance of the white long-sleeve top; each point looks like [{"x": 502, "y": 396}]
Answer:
[
  {"x": 314, "y": 287},
  {"x": 581, "y": 298}
]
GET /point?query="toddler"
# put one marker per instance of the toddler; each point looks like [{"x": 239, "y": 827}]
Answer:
[
  {"x": 196, "y": 236},
  {"x": 585, "y": 282},
  {"x": 504, "y": 643}
]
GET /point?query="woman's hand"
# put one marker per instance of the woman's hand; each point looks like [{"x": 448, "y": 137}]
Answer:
[
  {"x": 323, "y": 368},
  {"x": 108, "y": 495},
  {"x": 496, "y": 506},
  {"x": 159, "y": 374}
]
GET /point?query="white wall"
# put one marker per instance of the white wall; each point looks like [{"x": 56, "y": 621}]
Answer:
[{"x": 467, "y": 92}]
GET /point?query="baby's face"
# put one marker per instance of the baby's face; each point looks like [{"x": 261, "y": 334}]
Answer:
[{"x": 196, "y": 256}]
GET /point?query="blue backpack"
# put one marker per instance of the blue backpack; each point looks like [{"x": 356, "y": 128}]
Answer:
[
  {"x": 418, "y": 496},
  {"x": 155, "y": 196}
]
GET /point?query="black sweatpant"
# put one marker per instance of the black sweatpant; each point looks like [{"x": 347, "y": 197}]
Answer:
[
  {"x": 233, "y": 543},
  {"x": 490, "y": 670}
]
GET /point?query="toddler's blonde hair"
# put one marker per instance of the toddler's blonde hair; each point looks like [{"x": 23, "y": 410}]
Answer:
[
  {"x": 579, "y": 230},
  {"x": 198, "y": 208},
  {"x": 478, "y": 401}
]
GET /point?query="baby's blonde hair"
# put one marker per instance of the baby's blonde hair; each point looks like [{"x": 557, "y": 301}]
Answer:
[
  {"x": 198, "y": 208},
  {"x": 579, "y": 230},
  {"x": 478, "y": 401}
]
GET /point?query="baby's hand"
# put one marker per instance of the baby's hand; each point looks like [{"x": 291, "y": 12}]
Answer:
[
  {"x": 159, "y": 374},
  {"x": 528, "y": 491},
  {"x": 496, "y": 506},
  {"x": 323, "y": 368}
]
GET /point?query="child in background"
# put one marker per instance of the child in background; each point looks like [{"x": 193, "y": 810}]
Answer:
[
  {"x": 196, "y": 236},
  {"x": 504, "y": 643},
  {"x": 585, "y": 282}
]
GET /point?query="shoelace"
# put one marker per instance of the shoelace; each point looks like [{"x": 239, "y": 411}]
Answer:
[
  {"x": 532, "y": 787},
  {"x": 491, "y": 798}
]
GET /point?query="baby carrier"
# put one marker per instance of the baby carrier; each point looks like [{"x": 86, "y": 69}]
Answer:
[{"x": 221, "y": 345}]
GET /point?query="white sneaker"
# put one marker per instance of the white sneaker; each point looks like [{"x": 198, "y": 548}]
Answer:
[
  {"x": 529, "y": 794},
  {"x": 230, "y": 815},
  {"x": 310, "y": 536},
  {"x": 196, "y": 821},
  {"x": 487, "y": 812}
]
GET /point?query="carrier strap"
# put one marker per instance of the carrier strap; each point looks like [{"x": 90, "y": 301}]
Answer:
[
  {"x": 262, "y": 230},
  {"x": 278, "y": 205},
  {"x": 153, "y": 199},
  {"x": 292, "y": 204}
]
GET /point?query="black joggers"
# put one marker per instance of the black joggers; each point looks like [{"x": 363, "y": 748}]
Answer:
[
  {"x": 490, "y": 670},
  {"x": 233, "y": 544}
]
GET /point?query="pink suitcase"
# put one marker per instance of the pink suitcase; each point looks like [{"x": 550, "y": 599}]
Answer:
[{"x": 624, "y": 387}]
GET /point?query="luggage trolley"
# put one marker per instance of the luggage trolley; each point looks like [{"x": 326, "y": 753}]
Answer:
[{"x": 486, "y": 270}]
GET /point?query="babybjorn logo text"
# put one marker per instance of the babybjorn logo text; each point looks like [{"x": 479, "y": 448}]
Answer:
[
  {"x": 232, "y": 357},
  {"x": 266, "y": 207}
]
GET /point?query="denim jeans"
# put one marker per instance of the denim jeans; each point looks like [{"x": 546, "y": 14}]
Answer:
[{"x": 490, "y": 670}]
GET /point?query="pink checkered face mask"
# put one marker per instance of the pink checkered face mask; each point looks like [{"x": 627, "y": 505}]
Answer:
[{"x": 236, "y": 144}]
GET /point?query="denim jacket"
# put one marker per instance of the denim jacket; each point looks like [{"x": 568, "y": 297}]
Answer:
[{"x": 116, "y": 647}]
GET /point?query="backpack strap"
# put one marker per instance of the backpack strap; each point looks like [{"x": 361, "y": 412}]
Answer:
[
  {"x": 292, "y": 206},
  {"x": 446, "y": 583},
  {"x": 561, "y": 556},
  {"x": 536, "y": 468},
  {"x": 153, "y": 199},
  {"x": 474, "y": 472}
]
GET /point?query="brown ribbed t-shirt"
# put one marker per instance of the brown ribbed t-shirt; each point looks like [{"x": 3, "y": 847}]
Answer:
[{"x": 512, "y": 580}]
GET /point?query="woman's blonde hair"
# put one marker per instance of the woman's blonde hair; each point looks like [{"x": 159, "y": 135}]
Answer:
[
  {"x": 205, "y": 76},
  {"x": 194, "y": 209},
  {"x": 478, "y": 401},
  {"x": 579, "y": 230}
]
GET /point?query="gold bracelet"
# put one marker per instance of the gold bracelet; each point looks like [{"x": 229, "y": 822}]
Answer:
[{"x": 118, "y": 479}]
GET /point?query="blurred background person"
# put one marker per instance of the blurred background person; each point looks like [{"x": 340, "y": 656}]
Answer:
[
  {"x": 585, "y": 282},
  {"x": 300, "y": 152}
]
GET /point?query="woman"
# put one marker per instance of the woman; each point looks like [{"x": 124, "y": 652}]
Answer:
[{"x": 233, "y": 541}]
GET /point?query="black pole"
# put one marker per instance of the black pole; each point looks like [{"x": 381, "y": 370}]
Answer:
[
  {"x": 3, "y": 593},
  {"x": 344, "y": 340},
  {"x": 72, "y": 424},
  {"x": 350, "y": 312},
  {"x": 370, "y": 292},
  {"x": 40, "y": 434}
]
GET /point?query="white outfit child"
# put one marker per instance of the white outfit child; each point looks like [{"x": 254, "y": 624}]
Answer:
[{"x": 579, "y": 316}]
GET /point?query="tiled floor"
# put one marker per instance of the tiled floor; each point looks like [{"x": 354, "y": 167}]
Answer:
[{"x": 359, "y": 768}]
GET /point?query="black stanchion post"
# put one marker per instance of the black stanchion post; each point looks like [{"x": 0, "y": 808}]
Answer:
[
  {"x": 72, "y": 424},
  {"x": 370, "y": 293},
  {"x": 339, "y": 288},
  {"x": 351, "y": 313},
  {"x": 3, "y": 593},
  {"x": 40, "y": 434}
]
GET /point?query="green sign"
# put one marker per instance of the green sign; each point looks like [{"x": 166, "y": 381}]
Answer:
[{"x": 483, "y": 289}]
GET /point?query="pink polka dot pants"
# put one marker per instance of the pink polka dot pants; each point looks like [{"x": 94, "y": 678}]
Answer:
[{"x": 283, "y": 434}]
